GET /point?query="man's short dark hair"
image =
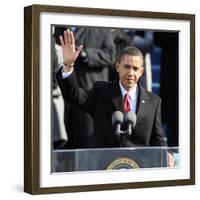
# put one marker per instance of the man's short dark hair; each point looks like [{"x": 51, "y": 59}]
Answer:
[{"x": 130, "y": 50}]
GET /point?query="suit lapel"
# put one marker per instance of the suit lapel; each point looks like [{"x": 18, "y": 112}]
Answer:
[
  {"x": 116, "y": 96},
  {"x": 143, "y": 102}
]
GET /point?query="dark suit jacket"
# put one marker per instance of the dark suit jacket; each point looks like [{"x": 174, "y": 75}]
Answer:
[{"x": 105, "y": 98}]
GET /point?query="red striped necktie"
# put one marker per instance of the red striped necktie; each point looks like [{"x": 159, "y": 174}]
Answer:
[{"x": 127, "y": 105}]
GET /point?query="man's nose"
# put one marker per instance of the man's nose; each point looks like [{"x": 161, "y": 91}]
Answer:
[{"x": 131, "y": 72}]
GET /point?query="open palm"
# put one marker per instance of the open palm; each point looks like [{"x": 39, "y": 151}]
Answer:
[{"x": 70, "y": 53}]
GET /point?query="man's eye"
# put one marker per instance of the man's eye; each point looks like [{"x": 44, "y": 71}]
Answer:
[{"x": 135, "y": 69}]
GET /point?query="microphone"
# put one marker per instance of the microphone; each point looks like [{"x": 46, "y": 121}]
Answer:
[
  {"x": 130, "y": 119},
  {"x": 117, "y": 120}
]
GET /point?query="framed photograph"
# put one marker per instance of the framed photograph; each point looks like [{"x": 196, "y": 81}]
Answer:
[{"x": 59, "y": 154}]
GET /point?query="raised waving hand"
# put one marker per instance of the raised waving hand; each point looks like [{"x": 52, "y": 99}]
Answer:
[{"x": 70, "y": 53}]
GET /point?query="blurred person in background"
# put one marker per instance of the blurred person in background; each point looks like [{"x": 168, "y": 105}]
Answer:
[{"x": 93, "y": 64}]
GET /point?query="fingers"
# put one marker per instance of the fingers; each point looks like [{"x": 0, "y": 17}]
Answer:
[
  {"x": 68, "y": 38},
  {"x": 68, "y": 46},
  {"x": 72, "y": 42},
  {"x": 79, "y": 49},
  {"x": 171, "y": 161}
]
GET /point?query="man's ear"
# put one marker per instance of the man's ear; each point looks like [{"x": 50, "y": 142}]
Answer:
[
  {"x": 142, "y": 70},
  {"x": 117, "y": 66}
]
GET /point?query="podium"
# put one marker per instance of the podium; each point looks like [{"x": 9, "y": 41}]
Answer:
[{"x": 111, "y": 158}]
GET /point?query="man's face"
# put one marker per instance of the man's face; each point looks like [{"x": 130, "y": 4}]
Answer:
[{"x": 130, "y": 69}]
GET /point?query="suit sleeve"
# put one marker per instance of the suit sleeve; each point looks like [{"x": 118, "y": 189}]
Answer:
[
  {"x": 71, "y": 93},
  {"x": 157, "y": 137}
]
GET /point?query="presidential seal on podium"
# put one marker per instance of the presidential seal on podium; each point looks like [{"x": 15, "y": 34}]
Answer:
[{"x": 122, "y": 163}]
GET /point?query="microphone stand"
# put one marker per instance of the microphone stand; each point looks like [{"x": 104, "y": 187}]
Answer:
[
  {"x": 124, "y": 138},
  {"x": 123, "y": 142}
]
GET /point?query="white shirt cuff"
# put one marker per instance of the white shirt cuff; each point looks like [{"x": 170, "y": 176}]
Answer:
[{"x": 66, "y": 74}]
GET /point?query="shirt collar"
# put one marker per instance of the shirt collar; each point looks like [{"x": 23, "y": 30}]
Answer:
[{"x": 132, "y": 92}]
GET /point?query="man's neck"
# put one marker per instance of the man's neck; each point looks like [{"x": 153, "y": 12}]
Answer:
[{"x": 124, "y": 91}]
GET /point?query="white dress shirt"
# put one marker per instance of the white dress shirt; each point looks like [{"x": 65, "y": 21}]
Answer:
[
  {"x": 133, "y": 93},
  {"x": 66, "y": 74}
]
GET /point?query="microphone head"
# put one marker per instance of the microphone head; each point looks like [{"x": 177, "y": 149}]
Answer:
[
  {"x": 117, "y": 117},
  {"x": 131, "y": 118}
]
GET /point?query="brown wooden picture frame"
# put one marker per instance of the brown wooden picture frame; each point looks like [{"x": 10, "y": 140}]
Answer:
[{"x": 32, "y": 93}]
